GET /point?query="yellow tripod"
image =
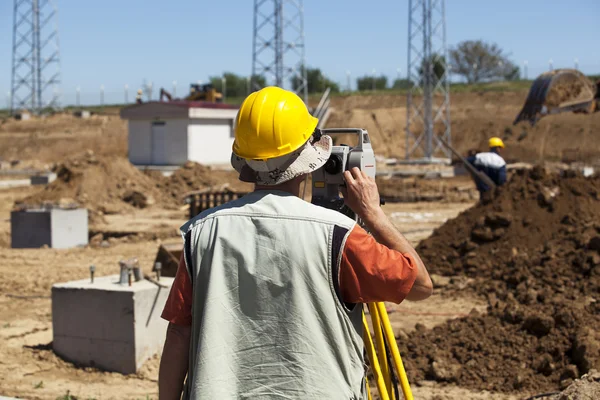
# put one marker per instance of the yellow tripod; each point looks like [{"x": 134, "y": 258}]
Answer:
[{"x": 377, "y": 354}]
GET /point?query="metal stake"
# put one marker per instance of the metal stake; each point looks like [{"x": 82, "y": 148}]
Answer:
[
  {"x": 92, "y": 270},
  {"x": 158, "y": 268}
]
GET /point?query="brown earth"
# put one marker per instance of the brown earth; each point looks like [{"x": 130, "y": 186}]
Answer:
[
  {"x": 193, "y": 176},
  {"x": 475, "y": 118},
  {"x": 103, "y": 184},
  {"x": 534, "y": 254},
  {"x": 40, "y": 142},
  {"x": 586, "y": 388},
  {"x": 569, "y": 87},
  {"x": 30, "y": 369},
  {"x": 455, "y": 189}
]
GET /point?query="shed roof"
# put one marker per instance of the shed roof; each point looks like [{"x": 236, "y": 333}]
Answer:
[{"x": 178, "y": 109}]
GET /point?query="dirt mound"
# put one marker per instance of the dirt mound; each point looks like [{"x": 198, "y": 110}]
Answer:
[
  {"x": 541, "y": 230},
  {"x": 513, "y": 348},
  {"x": 193, "y": 176},
  {"x": 105, "y": 185},
  {"x": 586, "y": 388},
  {"x": 535, "y": 254}
]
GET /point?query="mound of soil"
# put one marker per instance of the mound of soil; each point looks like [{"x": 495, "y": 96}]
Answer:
[
  {"x": 104, "y": 185},
  {"x": 586, "y": 388},
  {"x": 535, "y": 254},
  {"x": 193, "y": 176},
  {"x": 512, "y": 348},
  {"x": 541, "y": 229}
]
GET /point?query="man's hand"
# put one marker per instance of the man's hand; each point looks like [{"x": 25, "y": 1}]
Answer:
[{"x": 361, "y": 194}]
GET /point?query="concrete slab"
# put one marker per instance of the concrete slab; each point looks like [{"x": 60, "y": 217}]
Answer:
[
  {"x": 55, "y": 227},
  {"x": 14, "y": 183},
  {"x": 108, "y": 325}
]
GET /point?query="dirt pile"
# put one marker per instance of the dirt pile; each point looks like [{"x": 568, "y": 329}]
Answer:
[
  {"x": 512, "y": 348},
  {"x": 193, "y": 176},
  {"x": 535, "y": 254},
  {"x": 542, "y": 230},
  {"x": 105, "y": 185},
  {"x": 586, "y": 388}
]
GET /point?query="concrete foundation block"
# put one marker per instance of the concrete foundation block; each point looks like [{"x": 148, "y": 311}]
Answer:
[
  {"x": 23, "y": 116},
  {"x": 56, "y": 228},
  {"x": 43, "y": 179},
  {"x": 107, "y": 325},
  {"x": 82, "y": 114}
]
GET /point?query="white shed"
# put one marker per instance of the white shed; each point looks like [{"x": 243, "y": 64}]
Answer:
[{"x": 171, "y": 133}]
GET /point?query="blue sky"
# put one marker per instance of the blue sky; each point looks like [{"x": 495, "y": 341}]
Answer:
[{"x": 113, "y": 43}]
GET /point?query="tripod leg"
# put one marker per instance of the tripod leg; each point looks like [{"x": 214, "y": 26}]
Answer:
[
  {"x": 389, "y": 333},
  {"x": 381, "y": 352},
  {"x": 374, "y": 361}
]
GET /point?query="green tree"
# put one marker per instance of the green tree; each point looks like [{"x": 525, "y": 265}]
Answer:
[
  {"x": 317, "y": 82},
  {"x": 438, "y": 63},
  {"x": 402, "y": 84},
  {"x": 368, "y": 82},
  {"x": 235, "y": 85},
  {"x": 512, "y": 72},
  {"x": 478, "y": 61}
]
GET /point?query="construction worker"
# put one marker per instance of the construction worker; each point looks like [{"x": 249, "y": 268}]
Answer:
[
  {"x": 266, "y": 302},
  {"x": 490, "y": 163}
]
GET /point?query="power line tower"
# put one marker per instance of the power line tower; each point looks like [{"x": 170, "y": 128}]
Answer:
[
  {"x": 36, "y": 57},
  {"x": 278, "y": 45},
  {"x": 428, "y": 103}
]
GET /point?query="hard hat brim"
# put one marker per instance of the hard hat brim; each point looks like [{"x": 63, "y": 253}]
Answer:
[{"x": 274, "y": 171}]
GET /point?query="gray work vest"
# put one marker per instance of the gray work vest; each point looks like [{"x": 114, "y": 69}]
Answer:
[{"x": 268, "y": 322}]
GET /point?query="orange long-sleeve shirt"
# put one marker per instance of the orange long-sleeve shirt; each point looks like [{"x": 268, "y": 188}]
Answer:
[{"x": 368, "y": 272}]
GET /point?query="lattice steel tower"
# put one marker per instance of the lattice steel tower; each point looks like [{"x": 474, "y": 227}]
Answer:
[
  {"x": 428, "y": 103},
  {"x": 278, "y": 45},
  {"x": 36, "y": 57}
]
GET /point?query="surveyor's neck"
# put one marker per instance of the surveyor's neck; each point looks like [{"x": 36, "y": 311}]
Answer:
[{"x": 292, "y": 187}]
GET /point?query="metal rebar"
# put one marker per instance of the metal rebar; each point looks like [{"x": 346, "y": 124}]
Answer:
[{"x": 158, "y": 268}]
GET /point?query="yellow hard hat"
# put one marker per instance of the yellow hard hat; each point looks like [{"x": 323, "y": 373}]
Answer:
[
  {"x": 496, "y": 142},
  {"x": 271, "y": 123}
]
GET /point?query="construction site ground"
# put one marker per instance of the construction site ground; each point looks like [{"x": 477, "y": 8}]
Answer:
[
  {"x": 132, "y": 212},
  {"x": 26, "y": 320}
]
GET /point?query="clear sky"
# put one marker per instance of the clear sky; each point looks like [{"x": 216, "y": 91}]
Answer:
[{"x": 118, "y": 42}]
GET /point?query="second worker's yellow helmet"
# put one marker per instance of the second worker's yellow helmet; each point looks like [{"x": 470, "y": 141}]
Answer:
[
  {"x": 272, "y": 122},
  {"x": 495, "y": 142}
]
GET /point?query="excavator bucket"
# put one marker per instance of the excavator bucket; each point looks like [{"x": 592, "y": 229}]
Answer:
[{"x": 558, "y": 91}]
